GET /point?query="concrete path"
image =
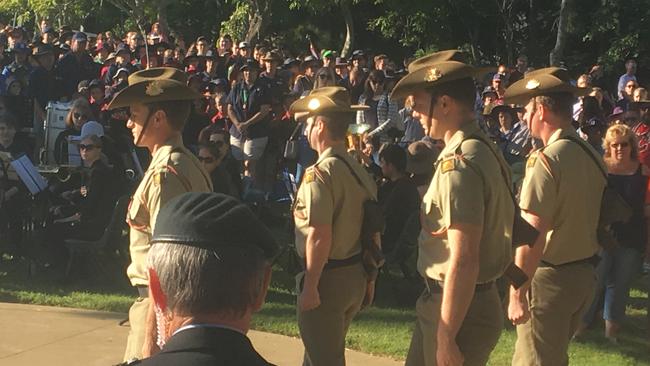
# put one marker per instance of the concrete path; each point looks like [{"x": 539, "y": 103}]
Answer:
[{"x": 42, "y": 335}]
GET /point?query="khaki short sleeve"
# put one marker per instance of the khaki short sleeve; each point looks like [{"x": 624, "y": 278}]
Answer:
[
  {"x": 539, "y": 189},
  {"x": 319, "y": 198},
  {"x": 164, "y": 187},
  {"x": 461, "y": 193}
]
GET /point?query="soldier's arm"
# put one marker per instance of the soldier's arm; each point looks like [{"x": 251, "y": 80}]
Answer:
[
  {"x": 460, "y": 279},
  {"x": 317, "y": 249}
]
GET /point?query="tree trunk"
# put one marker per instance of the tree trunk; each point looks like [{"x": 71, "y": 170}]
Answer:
[
  {"x": 349, "y": 28},
  {"x": 256, "y": 20},
  {"x": 162, "y": 18},
  {"x": 557, "y": 54}
]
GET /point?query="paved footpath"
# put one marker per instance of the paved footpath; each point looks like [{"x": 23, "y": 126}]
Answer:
[{"x": 41, "y": 335}]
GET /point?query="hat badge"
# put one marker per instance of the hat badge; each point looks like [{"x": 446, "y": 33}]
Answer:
[
  {"x": 532, "y": 84},
  {"x": 314, "y": 104},
  {"x": 433, "y": 74},
  {"x": 154, "y": 89}
]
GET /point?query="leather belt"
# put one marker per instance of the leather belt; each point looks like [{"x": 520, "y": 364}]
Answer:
[
  {"x": 338, "y": 263},
  {"x": 593, "y": 261},
  {"x": 143, "y": 291},
  {"x": 436, "y": 287}
]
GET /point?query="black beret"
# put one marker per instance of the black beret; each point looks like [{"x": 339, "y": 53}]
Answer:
[{"x": 212, "y": 221}]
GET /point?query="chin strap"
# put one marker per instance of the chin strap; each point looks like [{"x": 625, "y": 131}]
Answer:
[{"x": 144, "y": 127}]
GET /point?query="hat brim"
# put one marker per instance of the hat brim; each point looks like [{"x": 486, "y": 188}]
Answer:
[
  {"x": 529, "y": 87},
  {"x": 327, "y": 106},
  {"x": 144, "y": 93},
  {"x": 431, "y": 76}
]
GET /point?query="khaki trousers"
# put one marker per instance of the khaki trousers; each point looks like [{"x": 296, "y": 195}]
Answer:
[
  {"x": 477, "y": 337},
  {"x": 558, "y": 299},
  {"x": 137, "y": 319},
  {"x": 323, "y": 329}
]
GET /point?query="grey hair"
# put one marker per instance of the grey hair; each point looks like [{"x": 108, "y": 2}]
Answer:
[{"x": 200, "y": 281}]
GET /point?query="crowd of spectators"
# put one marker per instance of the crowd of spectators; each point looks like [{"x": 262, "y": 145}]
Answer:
[{"x": 240, "y": 129}]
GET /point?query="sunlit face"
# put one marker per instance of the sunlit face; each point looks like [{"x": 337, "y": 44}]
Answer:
[
  {"x": 136, "y": 122},
  {"x": 89, "y": 151},
  {"x": 531, "y": 118},
  {"x": 620, "y": 148},
  {"x": 639, "y": 94},
  {"x": 421, "y": 109}
]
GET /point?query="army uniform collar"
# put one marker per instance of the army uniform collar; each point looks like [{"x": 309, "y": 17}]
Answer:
[
  {"x": 164, "y": 151},
  {"x": 338, "y": 149},
  {"x": 457, "y": 138},
  {"x": 559, "y": 133}
]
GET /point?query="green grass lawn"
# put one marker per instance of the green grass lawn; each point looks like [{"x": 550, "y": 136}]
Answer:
[{"x": 385, "y": 329}]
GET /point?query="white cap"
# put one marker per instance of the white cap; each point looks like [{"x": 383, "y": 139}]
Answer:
[{"x": 92, "y": 128}]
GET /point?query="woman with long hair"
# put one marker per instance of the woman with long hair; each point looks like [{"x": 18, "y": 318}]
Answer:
[
  {"x": 383, "y": 114},
  {"x": 620, "y": 265},
  {"x": 79, "y": 114}
]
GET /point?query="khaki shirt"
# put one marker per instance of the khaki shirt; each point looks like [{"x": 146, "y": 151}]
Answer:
[
  {"x": 564, "y": 186},
  {"x": 330, "y": 195},
  {"x": 467, "y": 189},
  {"x": 173, "y": 170}
]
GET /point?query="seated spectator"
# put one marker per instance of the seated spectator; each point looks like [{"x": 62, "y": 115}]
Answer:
[
  {"x": 79, "y": 114},
  {"x": 398, "y": 195},
  {"x": 9, "y": 141},
  {"x": 627, "y": 93},
  {"x": 212, "y": 155},
  {"x": 205, "y": 310},
  {"x": 620, "y": 265},
  {"x": 92, "y": 203}
]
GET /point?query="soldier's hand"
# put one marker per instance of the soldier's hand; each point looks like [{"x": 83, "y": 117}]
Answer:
[
  {"x": 447, "y": 353},
  {"x": 309, "y": 299},
  {"x": 518, "y": 311}
]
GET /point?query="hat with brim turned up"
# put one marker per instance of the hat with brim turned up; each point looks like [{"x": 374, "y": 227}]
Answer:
[
  {"x": 550, "y": 80},
  {"x": 430, "y": 76},
  {"x": 330, "y": 99},
  {"x": 159, "y": 84}
]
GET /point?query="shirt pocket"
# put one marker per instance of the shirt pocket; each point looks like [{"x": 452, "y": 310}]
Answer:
[{"x": 138, "y": 216}]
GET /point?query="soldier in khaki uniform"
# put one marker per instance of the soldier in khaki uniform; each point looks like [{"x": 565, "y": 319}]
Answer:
[
  {"x": 467, "y": 216},
  {"x": 160, "y": 102},
  {"x": 561, "y": 197},
  {"x": 328, "y": 215}
]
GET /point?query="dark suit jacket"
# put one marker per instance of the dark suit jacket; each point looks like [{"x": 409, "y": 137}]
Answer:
[{"x": 207, "y": 347}]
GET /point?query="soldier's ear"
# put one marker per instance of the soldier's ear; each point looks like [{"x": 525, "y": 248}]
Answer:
[{"x": 259, "y": 302}]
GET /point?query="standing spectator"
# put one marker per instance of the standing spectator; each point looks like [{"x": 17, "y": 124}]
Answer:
[
  {"x": 630, "y": 74},
  {"x": 413, "y": 130},
  {"x": 498, "y": 84},
  {"x": 513, "y": 136},
  {"x": 76, "y": 65},
  {"x": 305, "y": 82},
  {"x": 225, "y": 45},
  {"x": 381, "y": 62},
  {"x": 520, "y": 69},
  {"x": 398, "y": 195},
  {"x": 628, "y": 94},
  {"x": 642, "y": 130},
  {"x": 43, "y": 86},
  {"x": 341, "y": 68},
  {"x": 621, "y": 264},
  {"x": 19, "y": 69},
  {"x": 249, "y": 106},
  {"x": 325, "y": 76},
  {"x": 382, "y": 114}
]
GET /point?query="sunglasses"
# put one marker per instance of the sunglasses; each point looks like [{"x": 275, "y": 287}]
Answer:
[
  {"x": 79, "y": 115},
  {"x": 86, "y": 147},
  {"x": 621, "y": 145},
  {"x": 207, "y": 160}
]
